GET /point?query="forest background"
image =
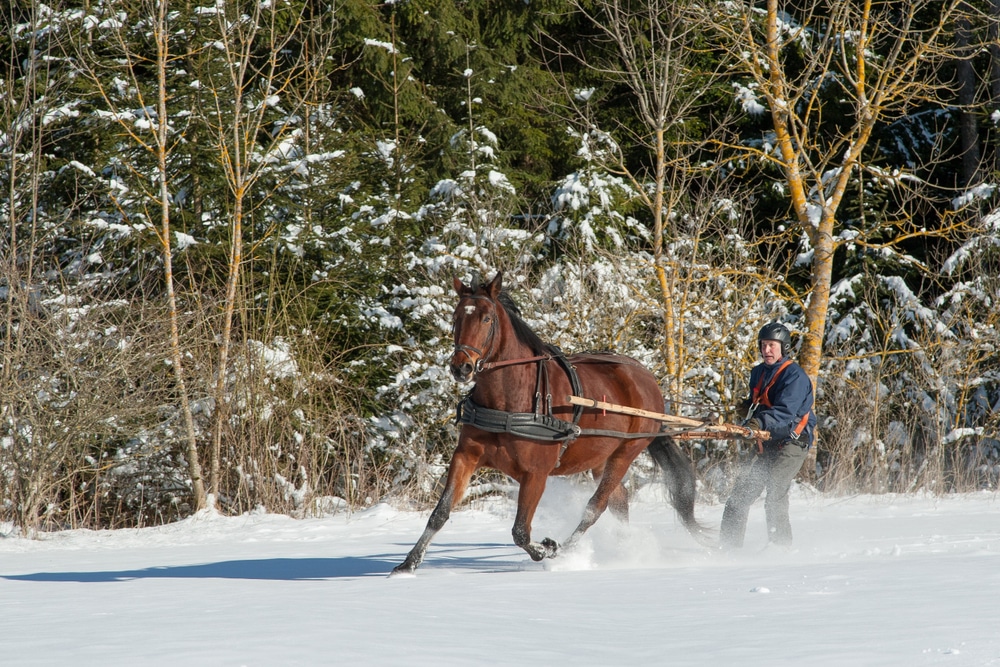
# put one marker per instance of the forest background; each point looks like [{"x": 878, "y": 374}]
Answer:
[{"x": 230, "y": 231}]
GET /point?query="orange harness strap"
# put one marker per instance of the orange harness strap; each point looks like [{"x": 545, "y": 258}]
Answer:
[{"x": 760, "y": 396}]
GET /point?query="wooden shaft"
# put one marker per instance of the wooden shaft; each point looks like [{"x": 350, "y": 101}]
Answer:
[
  {"x": 743, "y": 433},
  {"x": 720, "y": 431},
  {"x": 625, "y": 410}
]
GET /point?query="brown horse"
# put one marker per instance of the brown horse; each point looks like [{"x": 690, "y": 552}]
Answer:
[{"x": 517, "y": 420}]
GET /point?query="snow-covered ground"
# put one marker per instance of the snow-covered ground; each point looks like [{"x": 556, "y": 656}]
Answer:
[{"x": 873, "y": 580}]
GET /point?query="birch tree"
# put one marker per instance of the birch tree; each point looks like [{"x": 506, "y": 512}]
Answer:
[
  {"x": 23, "y": 106},
  {"x": 868, "y": 64},
  {"x": 139, "y": 108},
  {"x": 251, "y": 95}
]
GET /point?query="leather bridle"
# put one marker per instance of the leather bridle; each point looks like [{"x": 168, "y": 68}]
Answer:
[{"x": 487, "y": 345}]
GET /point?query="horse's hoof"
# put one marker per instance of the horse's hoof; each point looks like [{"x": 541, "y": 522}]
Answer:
[
  {"x": 536, "y": 552},
  {"x": 403, "y": 570},
  {"x": 547, "y": 548},
  {"x": 551, "y": 547}
]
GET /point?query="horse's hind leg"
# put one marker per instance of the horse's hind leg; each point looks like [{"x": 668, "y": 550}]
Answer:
[
  {"x": 460, "y": 472},
  {"x": 609, "y": 487},
  {"x": 618, "y": 499},
  {"x": 618, "y": 502}
]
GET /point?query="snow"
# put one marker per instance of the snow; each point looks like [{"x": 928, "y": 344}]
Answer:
[
  {"x": 873, "y": 580},
  {"x": 980, "y": 191},
  {"x": 388, "y": 46},
  {"x": 184, "y": 241},
  {"x": 747, "y": 97}
]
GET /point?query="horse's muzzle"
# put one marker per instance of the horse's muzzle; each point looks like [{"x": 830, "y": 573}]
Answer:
[
  {"x": 463, "y": 371},
  {"x": 463, "y": 365}
]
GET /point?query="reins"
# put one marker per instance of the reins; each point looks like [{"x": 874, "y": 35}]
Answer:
[{"x": 491, "y": 365}]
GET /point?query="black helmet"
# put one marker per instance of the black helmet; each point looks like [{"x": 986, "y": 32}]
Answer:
[{"x": 778, "y": 332}]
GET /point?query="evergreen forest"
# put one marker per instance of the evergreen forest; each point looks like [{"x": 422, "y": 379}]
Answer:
[{"x": 229, "y": 232}]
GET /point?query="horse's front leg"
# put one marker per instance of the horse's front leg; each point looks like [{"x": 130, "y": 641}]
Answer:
[
  {"x": 529, "y": 493},
  {"x": 463, "y": 464}
]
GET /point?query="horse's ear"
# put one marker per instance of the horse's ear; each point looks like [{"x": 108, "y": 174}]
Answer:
[
  {"x": 495, "y": 286},
  {"x": 460, "y": 287}
]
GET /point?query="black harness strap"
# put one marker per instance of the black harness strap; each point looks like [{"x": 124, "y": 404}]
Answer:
[
  {"x": 574, "y": 381},
  {"x": 523, "y": 424},
  {"x": 533, "y": 426},
  {"x": 538, "y": 425}
]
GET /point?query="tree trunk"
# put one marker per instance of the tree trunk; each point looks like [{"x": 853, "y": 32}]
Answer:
[
  {"x": 811, "y": 351},
  {"x": 194, "y": 466},
  {"x": 225, "y": 343},
  {"x": 666, "y": 291},
  {"x": 968, "y": 126},
  {"x": 994, "y": 47}
]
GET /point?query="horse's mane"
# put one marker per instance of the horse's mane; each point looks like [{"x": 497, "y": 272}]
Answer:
[{"x": 522, "y": 330}]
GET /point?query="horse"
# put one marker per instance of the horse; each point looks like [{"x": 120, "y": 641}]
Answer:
[{"x": 517, "y": 419}]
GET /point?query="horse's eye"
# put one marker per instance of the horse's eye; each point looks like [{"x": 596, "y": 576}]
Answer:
[{"x": 487, "y": 319}]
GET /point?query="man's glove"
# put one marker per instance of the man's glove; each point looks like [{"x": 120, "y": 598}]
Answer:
[
  {"x": 742, "y": 409},
  {"x": 755, "y": 425}
]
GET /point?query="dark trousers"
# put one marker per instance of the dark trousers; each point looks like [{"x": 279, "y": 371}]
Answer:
[{"x": 773, "y": 470}]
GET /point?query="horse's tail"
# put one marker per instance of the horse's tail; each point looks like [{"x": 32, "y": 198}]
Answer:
[{"x": 679, "y": 471}]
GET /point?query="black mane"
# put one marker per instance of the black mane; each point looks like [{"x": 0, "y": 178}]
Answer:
[{"x": 522, "y": 330}]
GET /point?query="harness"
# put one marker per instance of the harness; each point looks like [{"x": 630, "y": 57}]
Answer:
[
  {"x": 760, "y": 397},
  {"x": 539, "y": 424}
]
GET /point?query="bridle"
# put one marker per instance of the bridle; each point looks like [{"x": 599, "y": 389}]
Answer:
[
  {"x": 488, "y": 345},
  {"x": 481, "y": 363}
]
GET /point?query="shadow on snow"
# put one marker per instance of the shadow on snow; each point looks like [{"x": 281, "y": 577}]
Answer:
[{"x": 299, "y": 569}]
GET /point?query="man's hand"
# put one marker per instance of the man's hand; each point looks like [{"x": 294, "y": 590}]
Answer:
[{"x": 755, "y": 424}]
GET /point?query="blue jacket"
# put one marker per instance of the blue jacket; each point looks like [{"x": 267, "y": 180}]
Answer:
[{"x": 791, "y": 398}]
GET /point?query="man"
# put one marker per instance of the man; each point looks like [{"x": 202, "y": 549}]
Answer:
[{"x": 781, "y": 402}]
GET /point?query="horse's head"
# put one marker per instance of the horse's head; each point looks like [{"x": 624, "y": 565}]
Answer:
[{"x": 475, "y": 325}]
